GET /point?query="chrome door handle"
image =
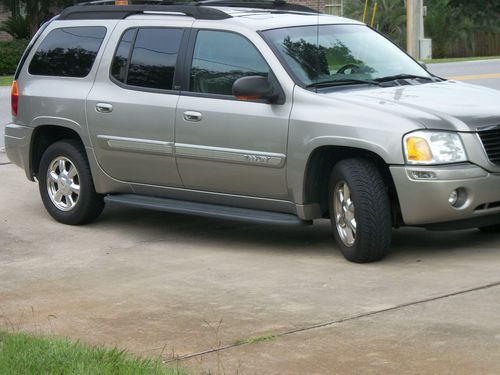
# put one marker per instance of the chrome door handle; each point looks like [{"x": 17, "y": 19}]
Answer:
[
  {"x": 104, "y": 107},
  {"x": 192, "y": 116}
]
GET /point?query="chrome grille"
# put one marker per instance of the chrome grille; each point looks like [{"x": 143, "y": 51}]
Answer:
[{"x": 491, "y": 143}]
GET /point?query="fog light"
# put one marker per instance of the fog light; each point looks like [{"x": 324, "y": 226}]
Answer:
[
  {"x": 453, "y": 198},
  {"x": 458, "y": 198}
]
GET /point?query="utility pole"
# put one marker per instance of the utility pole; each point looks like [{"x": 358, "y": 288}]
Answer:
[
  {"x": 417, "y": 45},
  {"x": 412, "y": 27}
]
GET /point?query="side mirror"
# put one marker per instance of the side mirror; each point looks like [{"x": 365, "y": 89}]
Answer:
[
  {"x": 423, "y": 65},
  {"x": 254, "y": 88}
]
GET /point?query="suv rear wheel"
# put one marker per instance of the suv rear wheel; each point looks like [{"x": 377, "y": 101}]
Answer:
[
  {"x": 66, "y": 184},
  {"x": 360, "y": 210}
]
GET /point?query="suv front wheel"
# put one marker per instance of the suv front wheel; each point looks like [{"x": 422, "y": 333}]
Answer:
[
  {"x": 360, "y": 210},
  {"x": 66, "y": 184}
]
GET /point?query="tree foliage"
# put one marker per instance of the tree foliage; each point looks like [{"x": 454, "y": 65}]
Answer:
[
  {"x": 35, "y": 12},
  {"x": 18, "y": 26},
  {"x": 448, "y": 22}
]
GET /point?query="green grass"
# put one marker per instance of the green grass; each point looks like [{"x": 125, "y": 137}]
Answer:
[
  {"x": 460, "y": 59},
  {"x": 256, "y": 339},
  {"x": 6, "y": 80},
  {"x": 26, "y": 354}
]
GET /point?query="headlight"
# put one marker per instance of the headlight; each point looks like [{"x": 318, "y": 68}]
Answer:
[{"x": 430, "y": 147}]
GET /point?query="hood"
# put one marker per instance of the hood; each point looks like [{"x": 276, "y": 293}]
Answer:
[{"x": 448, "y": 105}]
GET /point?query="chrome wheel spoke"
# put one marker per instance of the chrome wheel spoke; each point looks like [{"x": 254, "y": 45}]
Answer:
[
  {"x": 58, "y": 196},
  {"x": 72, "y": 171},
  {"x": 349, "y": 236},
  {"x": 53, "y": 176},
  {"x": 69, "y": 200},
  {"x": 352, "y": 225},
  {"x": 62, "y": 166},
  {"x": 75, "y": 188}
]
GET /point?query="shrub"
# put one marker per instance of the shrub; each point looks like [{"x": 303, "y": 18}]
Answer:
[
  {"x": 10, "y": 54},
  {"x": 17, "y": 26}
]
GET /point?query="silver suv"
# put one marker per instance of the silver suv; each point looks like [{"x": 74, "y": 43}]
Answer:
[{"x": 265, "y": 112}]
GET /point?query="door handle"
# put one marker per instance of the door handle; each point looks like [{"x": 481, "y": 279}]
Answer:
[
  {"x": 104, "y": 107},
  {"x": 192, "y": 116}
]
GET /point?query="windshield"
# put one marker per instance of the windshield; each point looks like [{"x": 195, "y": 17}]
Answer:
[{"x": 341, "y": 53}]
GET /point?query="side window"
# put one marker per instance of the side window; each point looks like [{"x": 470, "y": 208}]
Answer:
[
  {"x": 153, "y": 59},
  {"x": 68, "y": 52},
  {"x": 119, "y": 66},
  {"x": 220, "y": 58}
]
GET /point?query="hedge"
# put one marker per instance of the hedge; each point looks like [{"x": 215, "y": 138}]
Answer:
[{"x": 10, "y": 53}]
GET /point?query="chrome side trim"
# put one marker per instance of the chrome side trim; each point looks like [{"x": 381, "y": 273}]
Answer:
[
  {"x": 230, "y": 155},
  {"x": 137, "y": 144}
]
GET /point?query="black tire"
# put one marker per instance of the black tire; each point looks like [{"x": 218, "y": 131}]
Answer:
[
  {"x": 371, "y": 210},
  {"x": 88, "y": 204},
  {"x": 490, "y": 229}
]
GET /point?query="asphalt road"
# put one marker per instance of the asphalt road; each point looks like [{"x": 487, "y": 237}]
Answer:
[{"x": 484, "y": 73}]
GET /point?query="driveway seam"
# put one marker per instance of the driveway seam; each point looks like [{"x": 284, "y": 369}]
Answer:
[{"x": 339, "y": 321}]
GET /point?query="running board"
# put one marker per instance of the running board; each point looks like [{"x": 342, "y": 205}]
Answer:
[{"x": 205, "y": 209}]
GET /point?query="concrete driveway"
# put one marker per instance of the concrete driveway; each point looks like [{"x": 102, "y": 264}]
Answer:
[
  {"x": 274, "y": 300},
  {"x": 227, "y": 298}
]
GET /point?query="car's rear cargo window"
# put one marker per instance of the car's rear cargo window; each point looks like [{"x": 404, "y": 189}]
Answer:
[{"x": 68, "y": 52}]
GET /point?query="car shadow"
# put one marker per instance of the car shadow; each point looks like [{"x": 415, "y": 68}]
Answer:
[{"x": 154, "y": 226}]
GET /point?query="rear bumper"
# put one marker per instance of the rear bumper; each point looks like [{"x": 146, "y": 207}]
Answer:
[
  {"x": 425, "y": 202},
  {"x": 17, "y": 146}
]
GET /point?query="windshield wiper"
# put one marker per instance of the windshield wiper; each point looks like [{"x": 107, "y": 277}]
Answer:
[
  {"x": 403, "y": 76},
  {"x": 340, "y": 82}
]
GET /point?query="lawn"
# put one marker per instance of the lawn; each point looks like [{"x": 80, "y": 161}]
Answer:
[
  {"x": 460, "y": 59},
  {"x": 6, "y": 80},
  {"x": 22, "y": 353}
]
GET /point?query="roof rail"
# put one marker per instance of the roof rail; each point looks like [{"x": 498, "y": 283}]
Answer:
[
  {"x": 98, "y": 12},
  {"x": 199, "y": 9},
  {"x": 281, "y": 5}
]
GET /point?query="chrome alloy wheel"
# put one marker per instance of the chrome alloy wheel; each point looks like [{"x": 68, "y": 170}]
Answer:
[
  {"x": 345, "y": 219},
  {"x": 63, "y": 183}
]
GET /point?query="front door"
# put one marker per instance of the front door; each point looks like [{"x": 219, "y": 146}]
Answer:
[{"x": 223, "y": 144}]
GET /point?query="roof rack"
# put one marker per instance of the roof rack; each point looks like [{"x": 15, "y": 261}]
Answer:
[
  {"x": 199, "y": 9},
  {"x": 281, "y": 5}
]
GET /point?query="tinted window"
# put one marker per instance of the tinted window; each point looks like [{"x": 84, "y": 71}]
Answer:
[
  {"x": 68, "y": 52},
  {"x": 220, "y": 58},
  {"x": 154, "y": 58},
  {"x": 119, "y": 67}
]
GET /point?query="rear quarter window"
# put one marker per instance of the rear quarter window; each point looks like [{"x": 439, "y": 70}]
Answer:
[{"x": 68, "y": 52}]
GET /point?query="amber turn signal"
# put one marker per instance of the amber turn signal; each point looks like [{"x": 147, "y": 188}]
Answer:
[{"x": 418, "y": 149}]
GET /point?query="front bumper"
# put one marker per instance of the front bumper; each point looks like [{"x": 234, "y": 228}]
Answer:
[
  {"x": 424, "y": 202},
  {"x": 17, "y": 146}
]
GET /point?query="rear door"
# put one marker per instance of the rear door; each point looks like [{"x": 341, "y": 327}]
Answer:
[{"x": 131, "y": 107}]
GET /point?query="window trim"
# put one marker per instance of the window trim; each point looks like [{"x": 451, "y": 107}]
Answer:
[
  {"x": 188, "y": 63},
  {"x": 180, "y": 56},
  {"x": 92, "y": 67}
]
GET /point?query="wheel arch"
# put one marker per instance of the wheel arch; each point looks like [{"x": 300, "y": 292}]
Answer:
[
  {"x": 320, "y": 164},
  {"x": 45, "y": 135}
]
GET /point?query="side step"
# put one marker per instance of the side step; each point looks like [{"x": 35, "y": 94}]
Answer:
[{"x": 205, "y": 209}]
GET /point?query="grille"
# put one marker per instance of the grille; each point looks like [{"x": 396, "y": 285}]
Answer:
[{"x": 491, "y": 143}]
